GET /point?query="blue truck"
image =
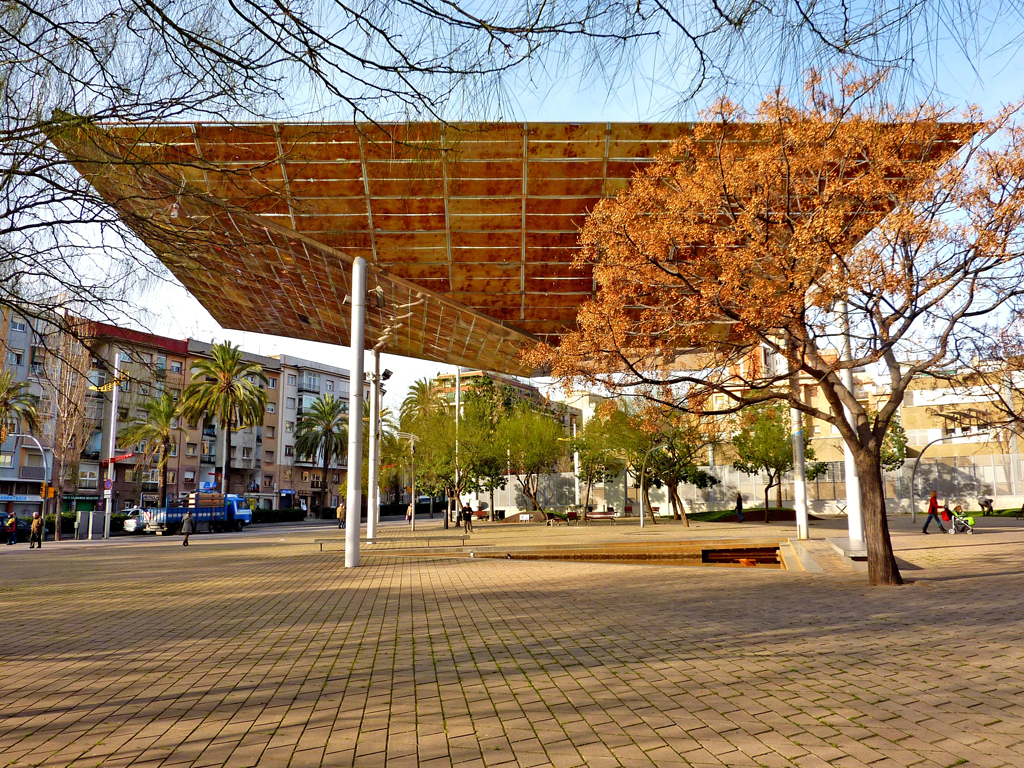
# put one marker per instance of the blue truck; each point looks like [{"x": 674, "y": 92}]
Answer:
[{"x": 210, "y": 513}]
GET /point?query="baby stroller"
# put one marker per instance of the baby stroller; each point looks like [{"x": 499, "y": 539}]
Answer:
[{"x": 958, "y": 521}]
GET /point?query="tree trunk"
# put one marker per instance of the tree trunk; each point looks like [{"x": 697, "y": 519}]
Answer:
[
  {"x": 529, "y": 487},
  {"x": 672, "y": 496},
  {"x": 647, "y": 500},
  {"x": 163, "y": 474},
  {"x": 225, "y": 477},
  {"x": 767, "y": 490},
  {"x": 679, "y": 505},
  {"x": 778, "y": 493},
  {"x": 325, "y": 487},
  {"x": 882, "y": 568},
  {"x": 490, "y": 509}
]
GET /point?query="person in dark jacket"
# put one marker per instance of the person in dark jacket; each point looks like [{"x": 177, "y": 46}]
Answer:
[
  {"x": 739, "y": 507},
  {"x": 188, "y": 526}
]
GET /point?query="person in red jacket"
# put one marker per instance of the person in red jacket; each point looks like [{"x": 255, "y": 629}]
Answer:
[{"x": 933, "y": 511}]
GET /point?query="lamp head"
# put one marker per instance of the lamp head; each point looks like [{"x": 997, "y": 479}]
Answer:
[{"x": 386, "y": 374}]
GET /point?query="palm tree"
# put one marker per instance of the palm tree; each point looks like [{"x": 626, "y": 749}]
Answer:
[
  {"x": 157, "y": 432},
  {"x": 16, "y": 405},
  {"x": 225, "y": 388},
  {"x": 423, "y": 397},
  {"x": 323, "y": 430}
]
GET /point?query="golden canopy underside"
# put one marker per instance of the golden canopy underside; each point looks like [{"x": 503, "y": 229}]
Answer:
[{"x": 469, "y": 230}]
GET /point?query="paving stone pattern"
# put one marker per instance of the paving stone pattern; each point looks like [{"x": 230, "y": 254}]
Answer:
[{"x": 257, "y": 649}]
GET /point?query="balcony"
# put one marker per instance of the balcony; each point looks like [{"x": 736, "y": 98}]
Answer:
[
  {"x": 32, "y": 473},
  {"x": 309, "y": 385}
]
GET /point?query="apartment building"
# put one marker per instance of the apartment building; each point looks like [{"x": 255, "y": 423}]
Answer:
[
  {"x": 23, "y": 460},
  {"x": 568, "y": 414},
  {"x": 299, "y": 479}
]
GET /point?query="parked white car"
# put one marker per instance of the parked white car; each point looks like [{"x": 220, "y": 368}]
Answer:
[{"x": 133, "y": 522}]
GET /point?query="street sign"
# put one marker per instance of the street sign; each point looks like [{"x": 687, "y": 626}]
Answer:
[{"x": 107, "y": 484}]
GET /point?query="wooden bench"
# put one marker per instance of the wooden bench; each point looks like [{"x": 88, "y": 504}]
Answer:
[{"x": 608, "y": 514}]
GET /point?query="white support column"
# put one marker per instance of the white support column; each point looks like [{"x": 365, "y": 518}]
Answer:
[
  {"x": 576, "y": 469},
  {"x": 372, "y": 490},
  {"x": 355, "y": 415},
  {"x": 854, "y": 519},
  {"x": 108, "y": 495},
  {"x": 796, "y": 425}
]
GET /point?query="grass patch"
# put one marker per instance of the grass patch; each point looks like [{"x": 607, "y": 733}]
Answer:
[{"x": 716, "y": 515}]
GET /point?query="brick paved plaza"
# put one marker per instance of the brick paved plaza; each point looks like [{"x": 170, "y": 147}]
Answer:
[{"x": 256, "y": 648}]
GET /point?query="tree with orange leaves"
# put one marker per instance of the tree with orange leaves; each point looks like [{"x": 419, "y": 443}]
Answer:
[{"x": 723, "y": 268}]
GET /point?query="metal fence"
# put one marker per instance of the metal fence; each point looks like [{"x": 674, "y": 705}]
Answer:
[{"x": 957, "y": 479}]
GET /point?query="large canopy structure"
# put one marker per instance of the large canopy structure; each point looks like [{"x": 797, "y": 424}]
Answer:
[{"x": 469, "y": 230}]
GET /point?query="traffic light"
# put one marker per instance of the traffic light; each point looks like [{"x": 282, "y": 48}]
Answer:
[{"x": 51, "y": 492}]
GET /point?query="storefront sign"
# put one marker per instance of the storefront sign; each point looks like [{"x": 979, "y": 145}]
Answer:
[{"x": 6, "y": 497}]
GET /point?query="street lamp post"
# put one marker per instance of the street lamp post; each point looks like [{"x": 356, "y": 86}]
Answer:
[
  {"x": 917, "y": 461},
  {"x": 46, "y": 473},
  {"x": 643, "y": 480},
  {"x": 412, "y": 488}
]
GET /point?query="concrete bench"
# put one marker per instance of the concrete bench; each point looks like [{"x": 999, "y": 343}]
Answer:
[
  {"x": 396, "y": 540},
  {"x": 606, "y": 515}
]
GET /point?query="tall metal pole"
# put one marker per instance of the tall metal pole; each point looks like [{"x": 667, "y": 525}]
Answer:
[
  {"x": 854, "y": 517},
  {"x": 372, "y": 481},
  {"x": 575, "y": 466},
  {"x": 458, "y": 415},
  {"x": 412, "y": 517},
  {"x": 108, "y": 493},
  {"x": 796, "y": 427},
  {"x": 355, "y": 415},
  {"x": 46, "y": 471}
]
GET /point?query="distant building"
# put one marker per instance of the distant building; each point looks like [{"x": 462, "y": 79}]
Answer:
[{"x": 569, "y": 415}]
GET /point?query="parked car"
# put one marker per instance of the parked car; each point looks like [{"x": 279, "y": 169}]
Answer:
[{"x": 133, "y": 522}]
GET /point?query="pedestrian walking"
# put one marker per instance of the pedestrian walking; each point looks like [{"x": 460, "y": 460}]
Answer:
[
  {"x": 11, "y": 527},
  {"x": 35, "y": 536},
  {"x": 408, "y": 512},
  {"x": 933, "y": 511},
  {"x": 467, "y": 517},
  {"x": 188, "y": 526},
  {"x": 340, "y": 512},
  {"x": 739, "y": 507}
]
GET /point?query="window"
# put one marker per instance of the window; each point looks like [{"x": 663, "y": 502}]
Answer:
[
  {"x": 170, "y": 477},
  {"x": 330, "y": 385},
  {"x": 337, "y": 477},
  {"x": 289, "y": 403},
  {"x": 17, "y": 326},
  {"x": 272, "y": 382},
  {"x": 246, "y": 452},
  {"x": 269, "y": 432},
  {"x": 291, "y": 379},
  {"x": 234, "y": 451},
  {"x": 191, "y": 448},
  {"x": 289, "y": 450},
  {"x": 158, "y": 389},
  {"x": 312, "y": 381},
  {"x": 172, "y": 450},
  {"x": 126, "y": 385},
  {"x": 6, "y": 459},
  {"x": 15, "y": 357},
  {"x": 305, "y": 476},
  {"x": 175, "y": 366},
  {"x": 287, "y": 475},
  {"x": 175, "y": 423},
  {"x": 271, "y": 407},
  {"x": 146, "y": 357},
  {"x": 145, "y": 387},
  {"x": 126, "y": 356},
  {"x": 190, "y": 475},
  {"x": 129, "y": 475},
  {"x": 161, "y": 362},
  {"x": 140, "y": 414},
  {"x": 97, "y": 378},
  {"x": 88, "y": 479},
  {"x": 268, "y": 481},
  {"x": 175, "y": 394},
  {"x": 289, "y": 426}
]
